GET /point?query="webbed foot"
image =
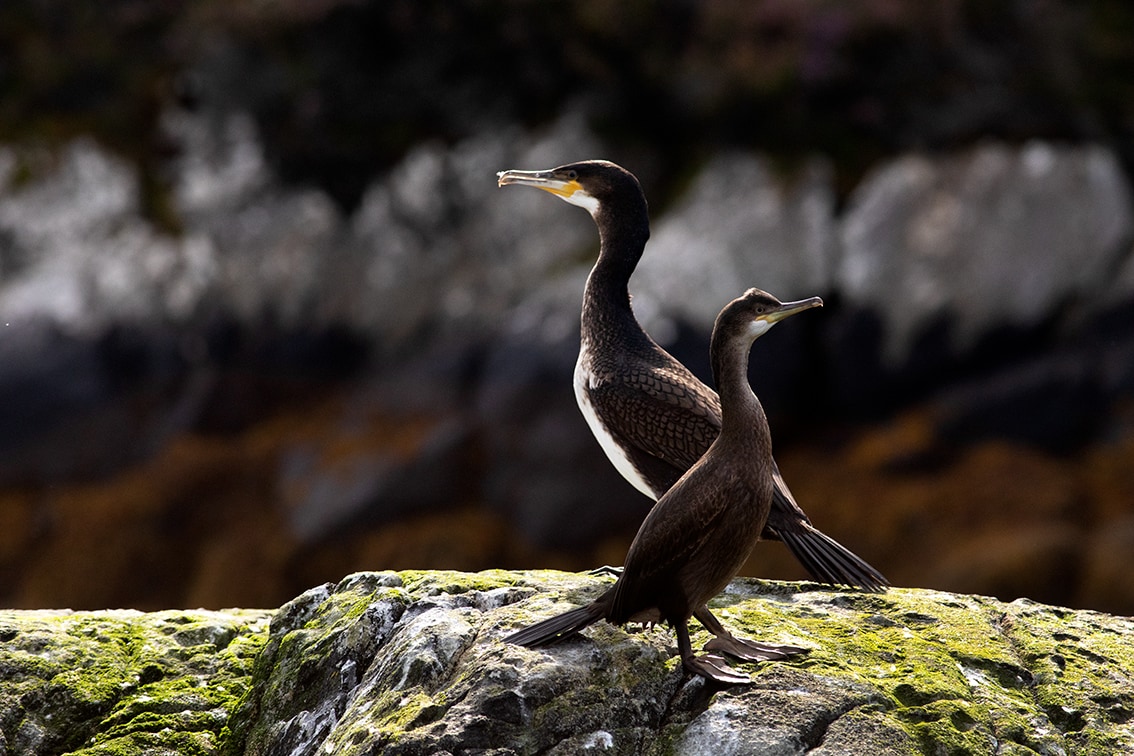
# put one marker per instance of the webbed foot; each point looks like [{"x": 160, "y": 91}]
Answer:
[
  {"x": 749, "y": 650},
  {"x": 715, "y": 668}
]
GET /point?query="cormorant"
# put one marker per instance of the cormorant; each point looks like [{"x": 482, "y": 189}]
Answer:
[
  {"x": 650, "y": 414},
  {"x": 701, "y": 531}
]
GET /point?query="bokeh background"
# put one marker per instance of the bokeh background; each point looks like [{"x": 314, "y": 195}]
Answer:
[{"x": 266, "y": 319}]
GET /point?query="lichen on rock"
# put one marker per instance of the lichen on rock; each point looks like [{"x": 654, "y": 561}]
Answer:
[
  {"x": 123, "y": 682},
  {"x": 414, "y": 663}
]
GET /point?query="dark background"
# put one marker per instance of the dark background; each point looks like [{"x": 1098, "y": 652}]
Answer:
[{"x": 239, "y": 449}]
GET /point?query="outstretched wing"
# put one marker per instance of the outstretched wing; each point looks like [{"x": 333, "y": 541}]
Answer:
[{"x": 824, "y": 558}]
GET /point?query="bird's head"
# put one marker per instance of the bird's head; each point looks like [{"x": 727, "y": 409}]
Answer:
[
  {"x": 753, "y": 313},
  {"x": 590, "y": 184}
]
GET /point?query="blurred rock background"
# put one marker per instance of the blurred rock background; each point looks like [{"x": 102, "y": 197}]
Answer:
[{"x": 265, "y": 318}]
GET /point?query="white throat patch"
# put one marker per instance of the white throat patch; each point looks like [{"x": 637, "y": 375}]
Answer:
[
  {"x": 583, "y": 200},
  {"x": 757, "y": 328}
]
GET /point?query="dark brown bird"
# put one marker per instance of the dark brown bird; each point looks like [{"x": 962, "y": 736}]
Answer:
[
  {"x": 701, "y": 531},
  {"x": 653, "y": 417}
]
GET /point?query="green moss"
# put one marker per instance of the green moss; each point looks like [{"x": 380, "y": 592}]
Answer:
[
  {"x": 403, "y": 712},
  {"x": 433, "y": 582},
  {"x": 947, "y": 670},
  {"x": 167, "y": 742},
  {"x": 311, "y": 639},
  {"x": 957, "y": 672},
  {"x": 1083, "y": 673},
  {"x": 390, "y": 715},
  {"x": 126, "y": 682},
  {"x": 949, "y": 728}
]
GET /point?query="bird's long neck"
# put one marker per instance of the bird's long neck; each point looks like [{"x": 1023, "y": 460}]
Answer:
[
  {"x": 606, "y": 299},
  {"x": 742, "y": 416}
]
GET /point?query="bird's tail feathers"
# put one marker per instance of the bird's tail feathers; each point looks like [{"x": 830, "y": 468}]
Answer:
[
  {"x": 830, "y": 562},
  {"x": 558, "y": 627}
]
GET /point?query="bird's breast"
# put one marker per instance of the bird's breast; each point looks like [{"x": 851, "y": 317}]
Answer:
[{"x": 587, "y": 381}]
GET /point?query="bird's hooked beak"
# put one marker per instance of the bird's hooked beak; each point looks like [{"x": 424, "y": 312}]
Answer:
[
  {"x": 553, "y": 181},
  {"x": 546, "y": 180},
  {"x": 767, "y": 318},
  {"x": 787, "y": 309}
]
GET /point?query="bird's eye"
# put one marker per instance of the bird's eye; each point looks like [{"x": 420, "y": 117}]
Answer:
[{"x": 572, "y": 175}]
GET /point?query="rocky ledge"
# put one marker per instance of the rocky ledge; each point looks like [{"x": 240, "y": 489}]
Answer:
[{"x": 412, "y": 663}]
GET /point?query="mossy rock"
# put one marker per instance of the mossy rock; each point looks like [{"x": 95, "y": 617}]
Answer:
[
  {"x": 413, "y": 663},
  {"x": 123, "y": 682}
]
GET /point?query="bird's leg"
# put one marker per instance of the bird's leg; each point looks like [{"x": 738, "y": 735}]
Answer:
[
  {"x": 741, "y": 648},
  {"x": 708, "y": 665}
]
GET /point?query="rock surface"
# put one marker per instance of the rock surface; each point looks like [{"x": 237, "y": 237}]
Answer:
[
  {"x": 123, "y": 682},
  {"x": 740, "y": 220},
  {"x": 993, "y": 235},
  {"x": 412, "y": 663},
  {"x": 988, "y": 237}
]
